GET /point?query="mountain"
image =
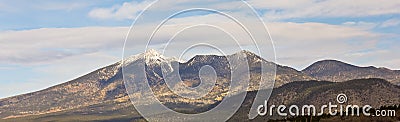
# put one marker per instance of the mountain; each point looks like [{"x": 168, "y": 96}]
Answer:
[
  {"x": 337, "y": 71},
  {"x": 105, "y": 86},
  {"x": 101, "y": 95},
  {"x": 101, "y": 86}
]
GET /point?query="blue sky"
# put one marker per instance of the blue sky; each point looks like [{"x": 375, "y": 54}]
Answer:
[
  {"x": 48, "y": 42},
  {"x": 23, "y": 15}
]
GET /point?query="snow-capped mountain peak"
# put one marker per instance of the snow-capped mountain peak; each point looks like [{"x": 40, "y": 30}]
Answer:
[
  {"x": 151, "y": 56},
  {"x": 154, "y": 57},
  {"x": 151, "y": 53}
]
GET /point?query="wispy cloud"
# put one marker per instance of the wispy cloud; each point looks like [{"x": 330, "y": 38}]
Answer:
[
  {"x": 128, "y": 10},
  {"x": 361, "y": 24},
  {"x": 390, "y": 23},
  {"x": 274, "y": 9},
  {"x": 48, "y": 44},
  {"x": 292, "y": 39},
  {"x": 327, "y": 8},
  {"x": 60, "y": 5},
  {"x": 20, "y": 6}
]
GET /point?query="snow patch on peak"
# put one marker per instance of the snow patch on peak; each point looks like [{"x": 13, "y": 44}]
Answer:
[
  {"x": 151, "y": 57},
  {"x": 151, "y": 53}
]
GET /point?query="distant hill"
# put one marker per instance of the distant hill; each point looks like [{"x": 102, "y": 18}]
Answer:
[{"x": 337, "y": 71}]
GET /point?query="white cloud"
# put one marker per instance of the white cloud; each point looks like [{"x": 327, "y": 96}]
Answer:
[
  {"x": 286, "y": 34},
  {"x": 275, "y": 9},
  {"x": 48, "y": 44},
  {"x": 128, "y": 10},
  {"x": 312, "y": 40},
  {"x": 293, "y": 40},
  {"x": 54, "y": 5},
  {"x": 390, "y": 23},
  {"x": 279, "y": 4},
  {"x": 329, "y": 8},
  {"x": 361, "y": 24},
  {"x": 23, "y": 6},
  {"x": 299, "y": 44},
  {"x": 75, "y": 66},
  {"x": 381, "y": 57}
]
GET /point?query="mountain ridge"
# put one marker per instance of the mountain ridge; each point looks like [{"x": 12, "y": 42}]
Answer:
[
  {"x": 126, "y": 60},
  {"x": 339, "y": 71},
  {"x": 106, "y": 85}
]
